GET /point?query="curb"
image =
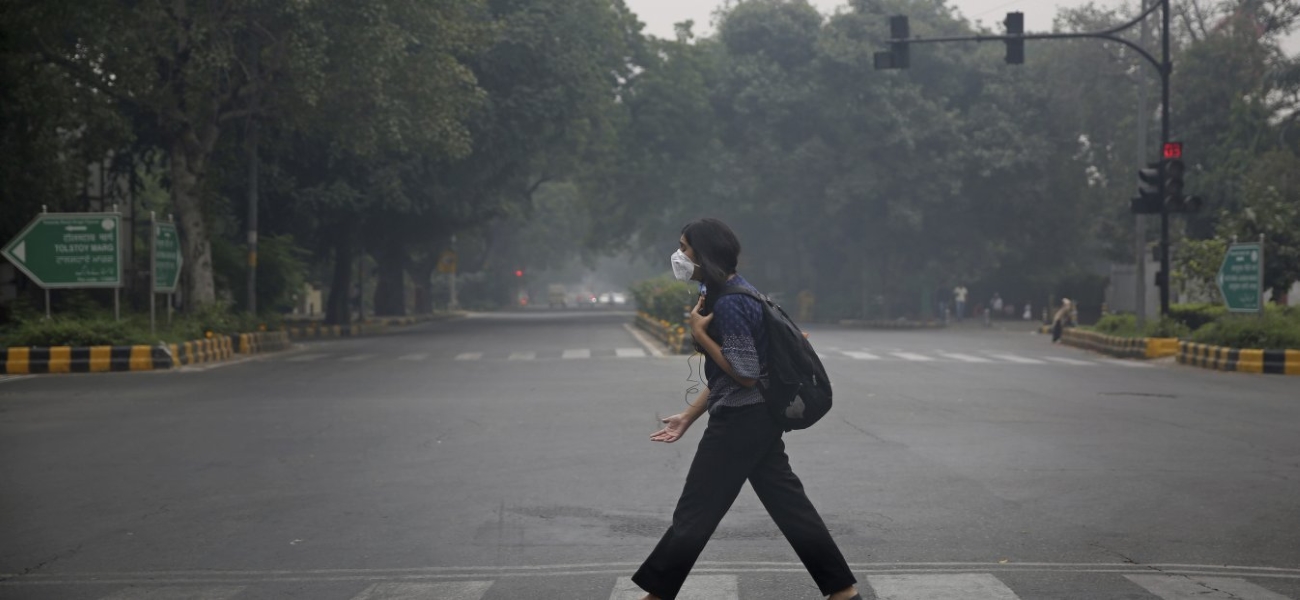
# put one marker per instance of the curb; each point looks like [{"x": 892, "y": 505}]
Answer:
[
  {"x": 104, "y": 359},
  {"x": 1241, "y": 360},
  {"x": 675, "y": 338},
  {"x": 1121, "y": 346},
  {"x": 82, "y": 359}
]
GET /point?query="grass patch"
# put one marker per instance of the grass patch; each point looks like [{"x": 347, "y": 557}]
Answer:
[{"x": 99, "y": 328}]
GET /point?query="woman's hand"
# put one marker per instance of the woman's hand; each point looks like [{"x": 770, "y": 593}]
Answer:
[
  {"x": 675, "y": 427},
  {"x": 699, "y": 323}
]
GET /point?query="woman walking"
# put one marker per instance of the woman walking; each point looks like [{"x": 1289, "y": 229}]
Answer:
[{"x": 741, "y": 441}]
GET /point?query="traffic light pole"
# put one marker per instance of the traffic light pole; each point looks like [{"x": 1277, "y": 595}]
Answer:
[{"x": 1163, "y": 65}]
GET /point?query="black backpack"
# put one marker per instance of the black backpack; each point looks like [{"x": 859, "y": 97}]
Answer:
[{"x": 793, "y": 383}]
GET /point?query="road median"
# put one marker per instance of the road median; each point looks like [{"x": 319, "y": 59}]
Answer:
[
  {"x": 1122, "y": 347},
  {"x": 1240, "y": 360}
]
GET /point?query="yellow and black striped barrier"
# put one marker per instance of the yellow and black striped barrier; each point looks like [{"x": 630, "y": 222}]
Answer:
[
  {"x": 1122, "y": 347},
  {"x": 103, "y": 359},
  {"x": 1241, "y": 360},
  {"x": 263, "y": 341},
  {"x": 83, "y": 359},
  {"x": 213, "y": 349}
]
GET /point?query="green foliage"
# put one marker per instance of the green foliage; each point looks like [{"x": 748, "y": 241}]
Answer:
[
  {"x": 665, "y": 298},
  {"x": 72, "y": 331},
  {"x": 1122, "y": 325},
  {"x": 1125, "y": 325},
  {"x": 1195, "y": 316},
  {"x": 1167, "y": 327},
  {"x": 282, "y": 272},
  {"x": 1278, "y": 329}
]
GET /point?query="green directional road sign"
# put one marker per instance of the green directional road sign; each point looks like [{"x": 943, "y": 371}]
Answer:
[
  {"x": 69, "y": 250},
  {"x": 166, "y": 258},
  {"x": 1241, "y": 277}
]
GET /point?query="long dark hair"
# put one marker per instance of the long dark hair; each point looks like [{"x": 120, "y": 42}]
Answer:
[{"x": 717, "y": 251}]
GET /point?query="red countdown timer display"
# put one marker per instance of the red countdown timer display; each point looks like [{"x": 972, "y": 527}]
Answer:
[{"x": 1173, "y": 150}]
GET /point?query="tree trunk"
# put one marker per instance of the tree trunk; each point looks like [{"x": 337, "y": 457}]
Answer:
[
  {"x": 196, "y": 247},
  {"x": 338, "y": 309},
  {"x": 390, "y": 291}
]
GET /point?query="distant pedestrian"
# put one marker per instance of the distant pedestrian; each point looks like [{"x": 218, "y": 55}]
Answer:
[
  {"x": 742, "y": 442},
  {"x": 1064, "y": 318},
  {"x": 1029, "y": 311},
  {"x": 959, "y": 294},
  {"x": 996, "y": 303}
]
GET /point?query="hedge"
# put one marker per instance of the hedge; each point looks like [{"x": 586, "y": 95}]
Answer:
[{"x": 665, "y": 298}]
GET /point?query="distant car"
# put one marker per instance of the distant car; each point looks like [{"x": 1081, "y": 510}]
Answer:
[
  {"x": 605, "y": 298},
  {"x": 618, "y": 298}
]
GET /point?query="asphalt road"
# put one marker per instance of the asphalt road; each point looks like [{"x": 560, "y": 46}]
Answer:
[{"x": 507, "y": 456}]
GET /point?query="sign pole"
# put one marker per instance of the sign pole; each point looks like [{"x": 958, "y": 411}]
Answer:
[
  {"x": 153, "y": 269},
  {"x": 171, "y": 299},
  {"x": 1261, "y": 276},
  {"x": 47, "y": 304}
]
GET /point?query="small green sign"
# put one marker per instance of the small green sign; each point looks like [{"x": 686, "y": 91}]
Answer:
[
  {"x": 69, "y": 250},
  {"x": 1241, "y": 277},
  {"x": 166, "y": 258}
]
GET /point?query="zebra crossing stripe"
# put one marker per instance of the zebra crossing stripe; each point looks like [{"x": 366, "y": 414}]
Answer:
[
  {"x": 306, "y": 357},
  {"x": 1017, "y": 359},
  {"x": 414, "y": 357},
  {"x": 629, "y": 353},
  {"x": 178, "y": 592},
  {"x": 582, "y": 353},
  {"x": 458, "y": 590},
  {"x": 1126, "y": 363},
  {"x": 964, "y": 357},
  {"x": 1070, "y": 361},
  {"x": 469, "y": 356},
  {"x": 962, "y": 586},
  {"x": 358, "y": 357},
  {"x": 912, "y": 357},
  {"x": 522, "y": 356},
  {"x": 697, "y": 587},
  {"x": 1176, "y": 587},
  {"x": 860, "y": 355}
]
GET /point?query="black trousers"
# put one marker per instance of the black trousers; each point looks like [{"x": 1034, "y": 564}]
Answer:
[{"x": 741, "y": 444}]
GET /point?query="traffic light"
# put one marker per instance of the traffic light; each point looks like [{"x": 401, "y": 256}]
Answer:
[
  {"x": 1149, "y": 198},
  {"x": 1175, "y": 200},
  {"x": 898, "y": 56},
  {"x": 519, "y": 272},
  {"x": 1015, "y": 48}
]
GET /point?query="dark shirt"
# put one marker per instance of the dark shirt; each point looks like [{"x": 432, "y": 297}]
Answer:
[{"x": 737, "y": 326}]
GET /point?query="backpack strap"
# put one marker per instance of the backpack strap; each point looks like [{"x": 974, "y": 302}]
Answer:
[{"x": 740, "y": 289}]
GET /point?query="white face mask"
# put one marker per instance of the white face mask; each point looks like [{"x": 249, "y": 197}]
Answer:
[{"x": 683, "y": 268}]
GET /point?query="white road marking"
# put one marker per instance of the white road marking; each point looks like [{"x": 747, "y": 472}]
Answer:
[
  {"x": 1126, "y": 363},
  {"x": 469, "y": 356},
  {"x": 1071, "y": 361},
  {"x": 629, "y": 352},
  {"x": 860, "y": 355},
  {"x": 650, "y": 345},
  {"x": 358, "y": 357},
  {"x": 305, "y": 358},
  {"x": 459, "y": 590},
  {"x": 697, "y": 587},
  {"x": 178, "y": 593},
  {"x": 963, "y": 586},
  {"x": 1203, "y": 588},
  {"x": 414, "y": 357},
  {"x": 578, "y": 353},
  {"x": 964, "y": 357},
  {"x": 912, "y": 357},
  {"x": 9, "y": 378},
  {"x": 522, "y": 356},
  {"x": 1017, "y": 359}
]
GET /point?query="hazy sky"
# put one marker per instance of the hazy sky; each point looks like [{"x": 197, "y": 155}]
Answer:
[{"x": 659, "y": 15}]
